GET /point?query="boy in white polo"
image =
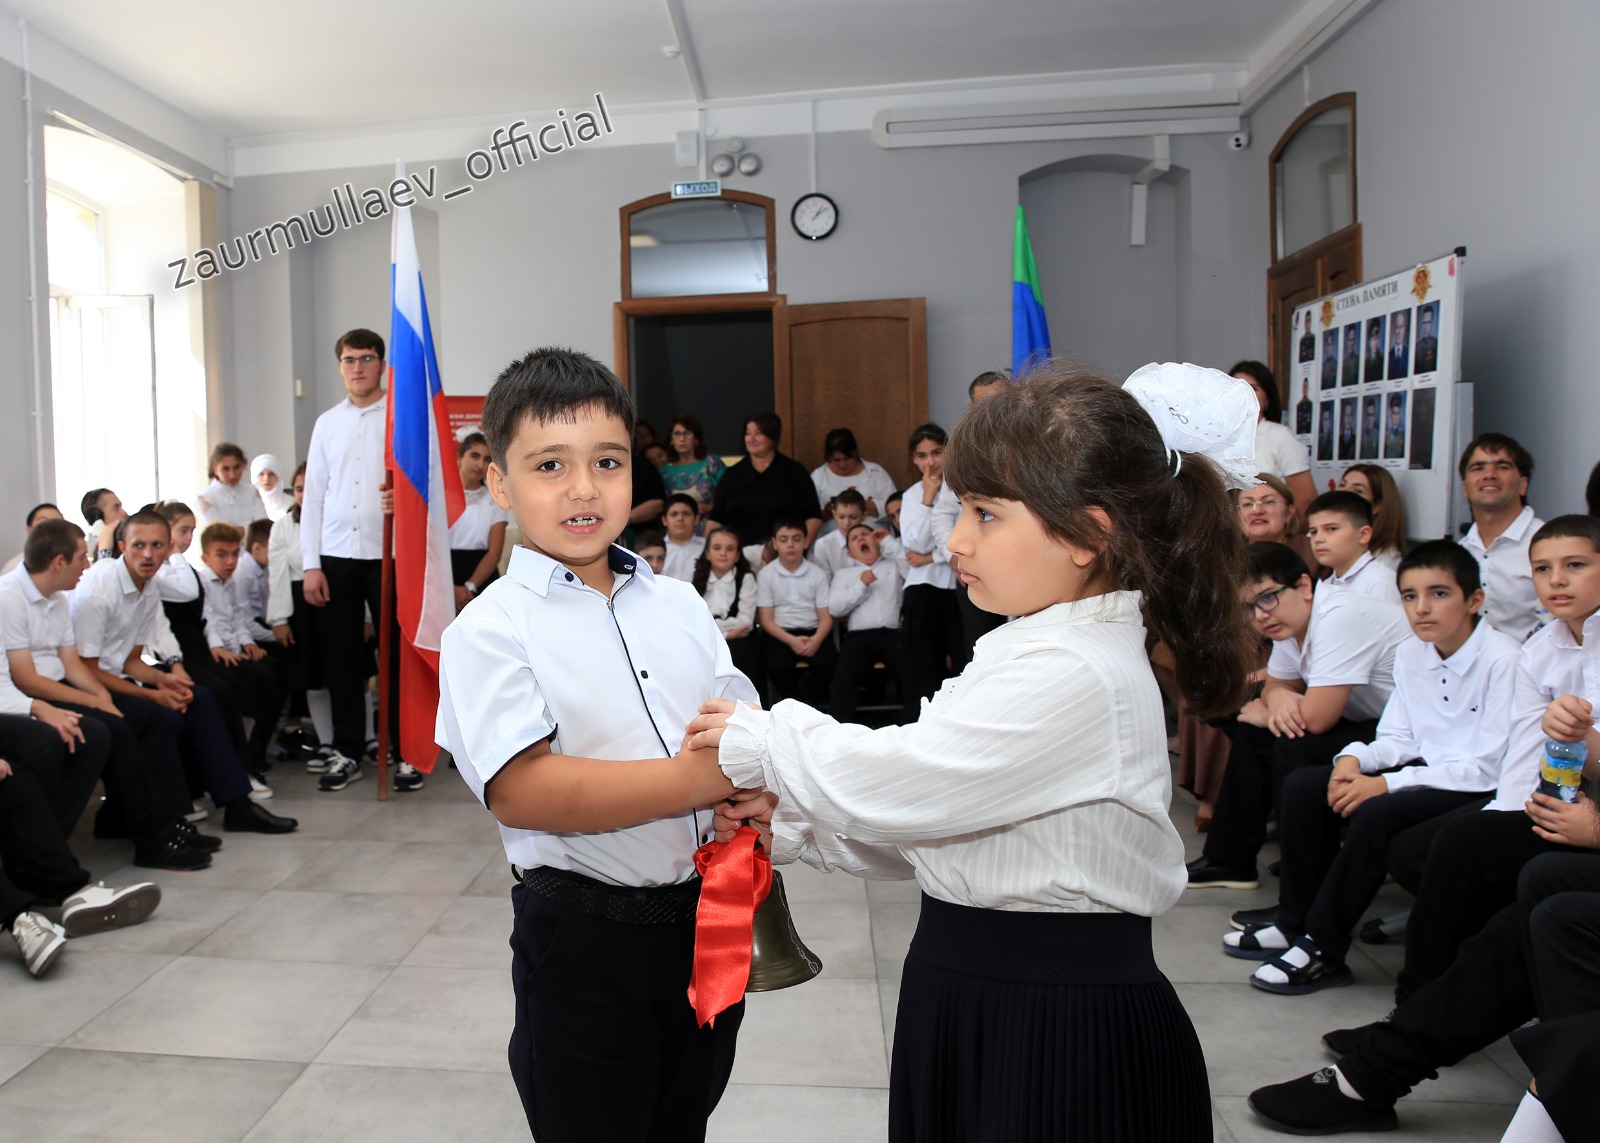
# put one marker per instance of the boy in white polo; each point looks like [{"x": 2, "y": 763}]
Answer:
[
  {"x": 792, "y": 609},
  {"x": 561, "y": 690}
]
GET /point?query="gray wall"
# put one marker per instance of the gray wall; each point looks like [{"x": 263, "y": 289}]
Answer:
[{"x": 1474, "y": 127}]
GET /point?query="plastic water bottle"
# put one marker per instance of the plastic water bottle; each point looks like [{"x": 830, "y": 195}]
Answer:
[{"x": 1561, "y": 769}]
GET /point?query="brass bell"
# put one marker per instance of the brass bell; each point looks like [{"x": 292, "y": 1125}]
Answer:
[{"x": 778, "y": 958}]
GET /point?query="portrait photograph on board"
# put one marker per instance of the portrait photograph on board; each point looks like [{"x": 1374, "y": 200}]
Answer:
[
  {"x": 1351, "y": 374},
  {"x": 1370, "y": 429},
  {"x": 1422, "y": 402},
  {"x": 1399, "y": 344},
  {"x": 1330, "y": 358},
  {"x": 1425, "y": 357},
  {"x": 1325, "y": 432},
  {"x": 1394, "y": 428},
  {"x": 1374, "y": 368},
  {"x": 1347, "y": 428},
  {"x": 1308, "y": 342},
  {"x": 1302, "y": 410}
]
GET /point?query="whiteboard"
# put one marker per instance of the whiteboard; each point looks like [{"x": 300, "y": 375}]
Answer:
[{"x": 1374, "y": 379}]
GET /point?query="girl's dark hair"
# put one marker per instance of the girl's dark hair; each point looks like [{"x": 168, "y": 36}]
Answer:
[
  {"x": 702, "y": 564},
  {"x": 770, "y": 424},
  {"x": 172, "y": 510},
  {"x": 927, "y": 432},
  {"x": 1388, "y": 511},
  {"x": 1591, "y": 491},
  {"x": 691, "y": 423},
  {"x": 468, "y": 441},
  {"x": 1065, "y": 441},
  {"x": 299, "y": 470},
  {"x": 221, "y": 453},
  {"x": 840, "y": 440},
  {"x": 1267, "y": 381}
]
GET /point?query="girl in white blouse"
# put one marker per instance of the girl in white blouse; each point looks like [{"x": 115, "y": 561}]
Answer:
[
  {"x": 229, "y": 498},
  {"x": 1030, "y": 799},
  {"x": 724, "y": 580}
]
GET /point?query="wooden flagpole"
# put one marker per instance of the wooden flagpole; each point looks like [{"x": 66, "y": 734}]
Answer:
[{"x": 385, "y": 642}]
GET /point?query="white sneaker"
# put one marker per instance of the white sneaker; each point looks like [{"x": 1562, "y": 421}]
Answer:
[
  {"x": 197, "y": 813},
  {"x": 99, "y": 907},
  {"x": 341, "y": 772},
  {"x": 407, "y": 777},
  {"x": 40, "y": 941},
  {"x": 259, "y": 790}
]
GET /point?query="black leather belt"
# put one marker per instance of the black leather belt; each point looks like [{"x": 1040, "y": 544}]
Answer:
[{"x": 658, "y": 905}]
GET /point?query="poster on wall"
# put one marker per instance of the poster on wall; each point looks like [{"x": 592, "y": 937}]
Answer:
[{"x": 1374, "y": 376}]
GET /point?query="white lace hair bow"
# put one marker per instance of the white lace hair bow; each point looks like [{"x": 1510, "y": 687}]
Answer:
[{"x": 1202, "y": 410}]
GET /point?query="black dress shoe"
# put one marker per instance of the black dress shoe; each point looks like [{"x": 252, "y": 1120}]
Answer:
[
  {"x": 173, "y": 854},
  {"x": 246, "y": 816},
  {"x": 1344, "y": 1042},
  {"x": 194, "y": 839},
  {"x": 1205, "y": 874},
  {"x": 1314, "y": 1105},
  {"x": 1245, "y": 917}
]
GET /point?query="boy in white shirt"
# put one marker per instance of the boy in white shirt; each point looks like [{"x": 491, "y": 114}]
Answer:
[
  {"x": 683, "y": 546},
  {"x": 849, "y": 508},
  {"x": 561, "y": 691},
  {"x": 1339, "y": 527},
  {"x": 866, "y": 593},
  {"x": 251, "y": 584},
  {"x": 233, "y": 647},
  {"x": 792, "y": 606},
  {"x": 1438, "y": 748},
  {"x": 1330, "y": 674}
]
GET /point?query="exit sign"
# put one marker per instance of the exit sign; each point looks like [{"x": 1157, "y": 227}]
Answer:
[{"x": 709, "y": 188}]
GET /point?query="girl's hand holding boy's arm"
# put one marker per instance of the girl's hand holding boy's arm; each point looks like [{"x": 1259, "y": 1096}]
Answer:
[
  {"x": 752, "y": 807},
  {"x": 1567, "y": 719},
  {"x": 1565, "y": 823}
]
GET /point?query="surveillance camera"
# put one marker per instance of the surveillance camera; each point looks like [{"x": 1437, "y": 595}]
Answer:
[{"x": 1239, "y": 141}]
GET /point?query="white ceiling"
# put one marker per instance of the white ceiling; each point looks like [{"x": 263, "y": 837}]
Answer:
[{"x": 308, "y": 65}]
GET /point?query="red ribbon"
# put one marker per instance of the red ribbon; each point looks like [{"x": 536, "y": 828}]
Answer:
[{"x": 736, "y": 876}]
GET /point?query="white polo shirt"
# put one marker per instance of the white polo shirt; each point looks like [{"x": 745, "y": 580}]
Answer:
[
  {"x": 1351, "y": 641},
  {"x": 110, "y": 616},
  {"x": 794, "y": 596},
  {"x": 540, "y": 655},
  {"x": 1508, "y": 596},
  {"x": 1370, "y": 577},
  {"x": 33, "y": 621},
  {"x": 681, "y": 558},
  {"x": 1551, "y": 664},
  {"x": 1454, "y": 714},
  {"x": 343, "y": 510}
]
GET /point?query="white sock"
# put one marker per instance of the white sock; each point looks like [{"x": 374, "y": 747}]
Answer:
[
  {"x": 1531, "y": 1123},
  {"x": 371, "y": 734},
  {"x": 1295, "y": 956},
  {"x": 320, "y": 704},
  {"x": 1344, "y": 1085}
]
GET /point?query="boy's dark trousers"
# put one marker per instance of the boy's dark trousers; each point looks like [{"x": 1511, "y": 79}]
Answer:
[
  {"x": 39, "y": 868},
  {"x": 860, "y": 651},
  {"x": 1257, "y": 766},
  {"x": 67, "y": 777},
  {"x": 605, "y": 1044},
  {"x": 783, "y": 679}
]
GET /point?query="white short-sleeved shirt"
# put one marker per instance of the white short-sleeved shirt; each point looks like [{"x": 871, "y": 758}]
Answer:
[
  {"x": 872, "y": 482},
  {"x": 1551, "y": 664},
  {"x": 33, "y": 621},
  {"x": 1370, "y": 577},
  {"x": 794, "y": 596},
  {"x": 1454, "y": 714},
  {"x": 470, "y": 532},
  {"x": 110, "y": 616},
  {"x": 540, "y": 655},
  {"x": 1278, "y": 452},
  {"x": 681, "y": 558},
  {"x": 1351, "y": 641},
  {"x": 1508, "y": 596}
]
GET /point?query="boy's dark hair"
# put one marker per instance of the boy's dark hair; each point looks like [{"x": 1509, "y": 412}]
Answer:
[
  {"x": 50, "y": 539},
  {"x": 852, "y": 498},
  {"x": 683, "y": 498},
  {"x": 770, "y": 424},
  {"x": 1591, "y": 491},
  {"x": 1446, "y": 556},
  {"x": 1065, "y": 443},
  {"x": 299, "y": 471},
  {"x": 892, "y": 498},
  {"x": 1347, "y": 504},
  {"x": 91, "y": 505},
  {"x": 1577, "y": 526},
  {"x": 147, "y": 518},
  {"x": 259, "y": 532},
  {"x": 551, "y": 384},
  {"x": 468, "y": 441},
  {"x": 37, "y": 508},
  {"x": 927, "y": 432},
  {"x": 783, "y": 522},
  {"x": 358, "y": 339},
  {"x": 218, "y": 533},
  {"x": 840, "y": 440},
  {"x": 857, "y": 527},
  {"x": 1277, "y": 562},
  {"x": 987, "y": 377},
  {"x": 222, "y": 452},
  {"x": 649, "y": 539},
  {"x": 1269, "y": 384},
  {"x": 1498, "y": 443}
]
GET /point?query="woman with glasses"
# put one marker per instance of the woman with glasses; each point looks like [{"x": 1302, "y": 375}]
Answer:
[{"x": 690, "y": 468}]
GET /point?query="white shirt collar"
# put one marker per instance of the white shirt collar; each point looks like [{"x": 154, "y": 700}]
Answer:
[
  {"x": 1362, "y": 561},
  {"x": 537, "y": 571},
  {"x": 1465, "y": 655},
  {"x": 1561, "y": 634}
]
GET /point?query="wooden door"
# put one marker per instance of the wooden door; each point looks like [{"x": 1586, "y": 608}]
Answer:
[
  {"x": 1325, "y": 267},
  {"x": 856, "y": 365}
]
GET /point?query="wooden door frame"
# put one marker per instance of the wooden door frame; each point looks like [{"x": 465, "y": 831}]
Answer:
[
  {"x": 776, "y": 304},
  {"x": 625, "y": 217},
  {"x": 1312, "y": 256},
  {"x": 1343, "y": 99}
]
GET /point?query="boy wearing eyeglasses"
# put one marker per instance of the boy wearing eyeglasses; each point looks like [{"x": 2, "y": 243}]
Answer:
[{"x": 1329, "y": 676}]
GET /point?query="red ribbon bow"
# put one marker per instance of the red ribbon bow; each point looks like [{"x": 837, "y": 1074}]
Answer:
[{"x": 736, "y": 877}]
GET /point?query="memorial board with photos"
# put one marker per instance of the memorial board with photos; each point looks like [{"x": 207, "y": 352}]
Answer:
[{"x": 1374, "y": 382}]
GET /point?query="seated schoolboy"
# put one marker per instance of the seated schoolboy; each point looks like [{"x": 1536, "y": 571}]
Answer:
[
  {"x": 102, "y": 510},
  {"x": 1330, "y": 673},
  {"x": 37, "y": 513},
  {"x": 652, "y": 548},
  {"x": 866, "y": 593},
  {"x": 234, "y": 650},
  {"x": 848, "y": 509},
  {"x": 1438, "y": 748},
  {"x": 251, "y": 584},
  {"x": 792, "y": 606},
  {"x": 683, "y": 546},
  {"x": 1339, "y": 527},
  {"x": 561, "y": 690}
]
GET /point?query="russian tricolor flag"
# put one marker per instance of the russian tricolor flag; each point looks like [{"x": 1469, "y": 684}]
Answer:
[{"x": 428, "y": 497}]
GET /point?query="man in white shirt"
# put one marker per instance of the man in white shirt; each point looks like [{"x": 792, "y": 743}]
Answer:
[
  {"x": 866, "y": 594},
  {"x": 341, "y": 544},
  {"x": 1330, "y": 674},
  {"x": 792, "y": 602},
  {"x": 1495, "y": 471}
]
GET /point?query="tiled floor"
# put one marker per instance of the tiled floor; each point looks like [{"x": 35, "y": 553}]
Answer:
[{"x": 349, "y": 983}]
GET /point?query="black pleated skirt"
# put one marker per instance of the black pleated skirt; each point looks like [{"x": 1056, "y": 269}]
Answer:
[{"x": 1022, "y": 1027}]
